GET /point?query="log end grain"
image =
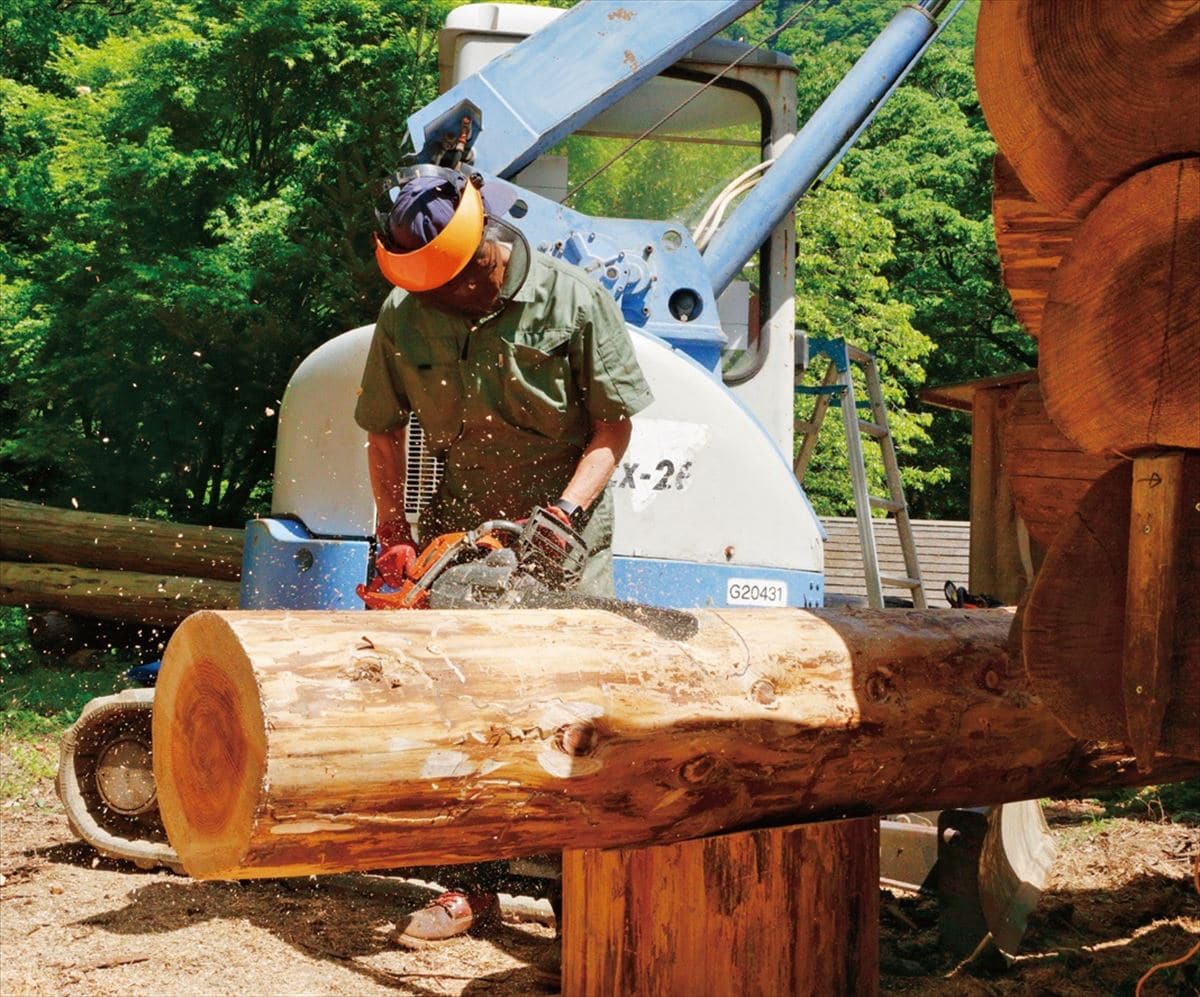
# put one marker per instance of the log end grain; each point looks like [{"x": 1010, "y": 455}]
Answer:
[
  {"x": 1119, "y": 353},
  {"x": 1081, "y": 95},
  {"x": 210, "y": 746}
]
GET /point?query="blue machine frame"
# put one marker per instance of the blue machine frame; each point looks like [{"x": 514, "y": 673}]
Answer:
[{"x": 665, "y": 287}]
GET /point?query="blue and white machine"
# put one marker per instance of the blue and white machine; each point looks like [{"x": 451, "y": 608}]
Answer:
[{"x": 708, "y": 511}]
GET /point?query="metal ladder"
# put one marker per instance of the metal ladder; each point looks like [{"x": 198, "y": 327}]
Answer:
[{"x": 838, "y": 383}]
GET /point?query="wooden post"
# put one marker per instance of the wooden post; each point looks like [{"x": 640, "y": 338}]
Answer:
[
  {"x": 996, "y": 567},
  {"x": 1156, "y": 548},
  {"x": 788, "y": 911}
]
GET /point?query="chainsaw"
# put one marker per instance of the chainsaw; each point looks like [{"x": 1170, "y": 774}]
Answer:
[{"x": 497, "y": 563}]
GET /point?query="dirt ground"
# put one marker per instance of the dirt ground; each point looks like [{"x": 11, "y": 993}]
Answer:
[{"x": 1121, "y": 899}]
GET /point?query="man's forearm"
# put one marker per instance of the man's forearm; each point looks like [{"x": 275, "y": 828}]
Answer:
[
  {"x": 604, "y": 449},
  {"x": 387, "y": 462}
]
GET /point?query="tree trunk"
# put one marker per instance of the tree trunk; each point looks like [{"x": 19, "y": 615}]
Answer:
[
  {"x": 1076, "y": 628},
  {"x": 30, "y": 532},
  {"x": 1049, "y": 474},
  {"x": 786, "y": 911},
  {"x": 294, "y": 743},
  {"x": 1081, "y": 95},
  {"x": 1119, "y": 354},
  {"x": 112, "y": 595},
  {"x": 1030, "y": 240}
]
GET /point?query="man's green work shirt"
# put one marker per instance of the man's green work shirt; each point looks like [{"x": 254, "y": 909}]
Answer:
[{"x": 508, "y": 401}]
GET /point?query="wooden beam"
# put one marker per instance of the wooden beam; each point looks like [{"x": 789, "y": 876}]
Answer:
[
  {"x": 1048, "y": 474},
  {"x": 30, "y": 532},
  {"x": 784, "y": 911},
  {"x": 112, "y": 595},
  {"x": 296, "y": 743},
  {"x": 1156, "y": 550}
]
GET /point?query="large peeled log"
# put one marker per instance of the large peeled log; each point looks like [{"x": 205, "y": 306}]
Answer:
[
  {"x": 1119, "y": 352},
  {"x": 1079, "y": 637},
  {"x": 296, "y": 743},
  {"x": 1080, "y": 95}
]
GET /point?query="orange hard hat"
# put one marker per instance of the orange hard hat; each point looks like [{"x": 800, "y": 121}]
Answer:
[{"x": 444, "y": 256}]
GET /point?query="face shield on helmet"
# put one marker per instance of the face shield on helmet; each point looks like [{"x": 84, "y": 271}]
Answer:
[{"x": 431, "y": 224}]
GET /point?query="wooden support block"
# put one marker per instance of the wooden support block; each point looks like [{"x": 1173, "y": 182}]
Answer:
[
  {"x": 772, "y": 912},
  {"x": 1151, "y": 591}
]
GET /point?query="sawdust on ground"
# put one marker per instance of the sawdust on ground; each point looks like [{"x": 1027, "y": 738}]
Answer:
[{"x": 1121, "y": 899}]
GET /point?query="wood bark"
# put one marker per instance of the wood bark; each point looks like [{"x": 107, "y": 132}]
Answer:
[
  {"x": 1081, "y": 95},
  {"x": 1119, "y": 354},
  {"x": 30, "y": 532},
  {"x": 112, "y": 595},
  {"x": 1030, "y": 240},
  {"x": 785, "y": 911},
  {"x": 1048, "y": 474},
  {"x": 1076, "y": 627},
  {"x": 296, "y": 743}
]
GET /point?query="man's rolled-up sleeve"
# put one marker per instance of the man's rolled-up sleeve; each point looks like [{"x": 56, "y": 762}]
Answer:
[
  {"x": 382, "y": 403},
  {"x": 612, "y": 381}
]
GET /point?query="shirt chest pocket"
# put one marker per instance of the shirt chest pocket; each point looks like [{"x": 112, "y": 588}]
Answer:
[
  {"x": 537, "y": 390},
  {"x": 433, "y": 383}
]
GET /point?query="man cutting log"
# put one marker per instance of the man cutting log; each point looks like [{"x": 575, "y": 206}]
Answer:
[{"x": 522, "y": 374}]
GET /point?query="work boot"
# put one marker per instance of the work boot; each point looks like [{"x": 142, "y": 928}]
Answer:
[{"x": 448, "y": 916}]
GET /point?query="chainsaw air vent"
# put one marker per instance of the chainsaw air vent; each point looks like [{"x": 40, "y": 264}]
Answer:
[{"x": 423, "y": 471}]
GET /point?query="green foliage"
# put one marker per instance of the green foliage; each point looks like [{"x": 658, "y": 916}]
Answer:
[
  {"x": 178, "y": 245},
  {"x": 38, "y": 696},
  {"x": 1178, "y": 802}
]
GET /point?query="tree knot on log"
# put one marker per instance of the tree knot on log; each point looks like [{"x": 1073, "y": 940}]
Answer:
[
  {"x": 763, "y": 692},
  {"x": 576, "y": 739},
  {"x": 879, "y": 684},
  {"x": 697, "y": 770}
]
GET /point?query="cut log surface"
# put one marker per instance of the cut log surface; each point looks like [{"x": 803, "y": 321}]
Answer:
[
  {"x": 1074, "y": 640},
  {"x": 30, "y": 532},
  {"x": 298, "y": 743},
  {"x": 787, "y": 911},
  {"x": 112, "y": 595},
  {"x": 1081, "y": 95},
  {"x": 1030, "y": 240},
  {"x": 1049, "y": 474},
  {"x": 1119, "y": 354}
]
